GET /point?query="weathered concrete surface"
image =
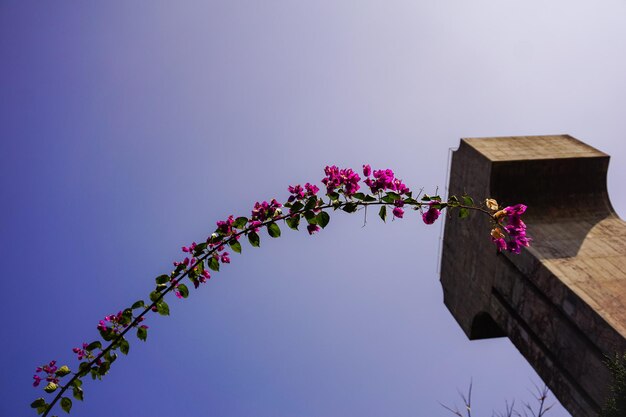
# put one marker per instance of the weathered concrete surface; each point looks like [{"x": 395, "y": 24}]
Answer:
[{"x": 562, "y": 302}]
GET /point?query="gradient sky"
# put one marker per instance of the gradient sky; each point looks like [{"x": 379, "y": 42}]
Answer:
[{"x": 128, "y": 128}]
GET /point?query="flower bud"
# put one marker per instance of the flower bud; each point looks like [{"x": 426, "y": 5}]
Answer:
[
  {"x": 51, "y": 387},
  {"x": 496, "y": 233},
  {"x": 491, "y": 204},
  {"x": 499, "y": 214}
]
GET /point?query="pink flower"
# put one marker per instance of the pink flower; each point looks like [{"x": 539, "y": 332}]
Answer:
[
  {"x": 226, "y": 227},
  {"x": 311, "y": 190},
  {"x": 398, "y": 212},
  {"x": 515, "y": 229},
  {"x": 263, "y": 211},
  {"x": 432, "y": 214},
  {"x": 254, "y": 225},
  {"x": 367, "y": 170},
  {"x": 517, "y": 209},
  {"x": 82, "y": 353},
  {"x": 297, "y": 193},
  {"x": 383, "y": 180},
  {"x": 312, "y": 228},
  {"x": 50, "y": 371},
  {"x": 225, "y": 258},
  {"x": 500, "y": 243},
  {"x": 189, "y": 248},
  {"x": 336, "y": 178}
]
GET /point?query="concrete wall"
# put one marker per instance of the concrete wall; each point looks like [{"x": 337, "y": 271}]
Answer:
[{"x": 562, "y": 301}]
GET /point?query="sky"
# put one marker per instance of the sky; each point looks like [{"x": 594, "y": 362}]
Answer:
[{"x": 127, "y": 129}]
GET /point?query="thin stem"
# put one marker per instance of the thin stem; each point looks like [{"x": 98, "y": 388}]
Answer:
[{"x": 231, "y": 238}]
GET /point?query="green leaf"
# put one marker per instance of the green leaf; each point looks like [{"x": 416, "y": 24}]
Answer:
[
  {"x": 124, "y": 346},
  {"x": 235, "y": 246},
  {"x": 142, "y": 333},
  {"x": 214, "y": 238},
  {"x": 425, "y": 197},
  {"x": 183, "y": 290},
  {"x": 382, "y": 213},
  {"x": 40, "y": 410},
  {"x": 154, "y": 295},
  {"x": 297, "y": 206},
  {"x": 273, "y": 229},
  {"x": 310, "y": 217},
  {"x": 200, "y": 247},
  {"x": 62, "y": 371},
  {"x": 83, "y": 368},
  {"x": 163, "y": 308},
  {"x": 350, "y": 207},
  {"x": 369, "y": 199},
  {"x": 77, "y": 383},
  {"x": 310, "y": 203},
  {"x": 110, "y": 356},
  {"x": 213, "y": 263},
  {"x": 78, "y": 393},
  {"x": 293, "y": 222},
  {"x": 39, "y": 402},
  {"x": 66, "y": 404},
  {"x": 51, "y": 387},
  {"x": 107, "y": 334},
  {"x": 104, "y": 368},
  {"x": 463, "y": 213},
  {"x": 240, "y": 222},
  {"x": 333, "y": 196},
  {"x": 162, "y": 279},
  {"x": 127, "y": 314},
  {"x": 391, "y": 197},
  {"x": 138, "y": 304},
  {"x": 179, "y": 268},
  {"x": 254, "y": 239},
  {"x": 468, "y": 201},
  {"x": 358, "y": 196},
  {"x": 322, "y": 219}
]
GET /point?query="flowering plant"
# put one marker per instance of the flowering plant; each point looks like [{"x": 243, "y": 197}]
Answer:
[{"x": 304, "y": 205}]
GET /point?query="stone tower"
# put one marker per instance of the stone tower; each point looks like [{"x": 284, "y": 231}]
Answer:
[{"x": 562, "y": 302}]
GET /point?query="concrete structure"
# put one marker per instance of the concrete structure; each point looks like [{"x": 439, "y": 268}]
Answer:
[{"x": 562, "y": 302}]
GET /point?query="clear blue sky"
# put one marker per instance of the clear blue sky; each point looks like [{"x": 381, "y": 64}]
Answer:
[{"x": 128, "y": 128}]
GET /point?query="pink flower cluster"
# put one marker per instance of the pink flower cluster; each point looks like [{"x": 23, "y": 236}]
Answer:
[
  {"x": 515, "y": 229},
  {"x": 50, "y": 373},
  {"x": 384, "y": 179},
  {"x": 81, "y": 352},
  {"x": 300, "y": 193},
  {"x": 432, "y": 213},
  {"x": 336, "y": 178},
  {"x": 84, "y": 353},
  {"x": 398, "y": 211},
  {"x": 115, "y": 320},
  {"x": 225, "y": 227},
  {"x": 205, "y": 275},
  {"x": 264, "y": 211}
]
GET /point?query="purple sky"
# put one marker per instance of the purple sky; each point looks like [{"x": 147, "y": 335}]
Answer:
[{"x": 127, "y": 129}]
